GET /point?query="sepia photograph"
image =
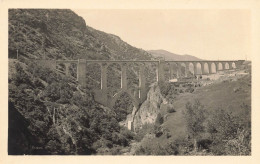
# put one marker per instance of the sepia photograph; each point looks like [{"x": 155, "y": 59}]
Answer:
[
  {"x": 130, "y": 82},
  {"x": 119, "y": 81}
]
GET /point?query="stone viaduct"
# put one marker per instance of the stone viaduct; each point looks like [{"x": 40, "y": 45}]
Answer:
[{"x": 174, "y": 67}]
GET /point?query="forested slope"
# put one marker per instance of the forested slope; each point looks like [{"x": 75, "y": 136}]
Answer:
[{"x": 55, "y": 115}]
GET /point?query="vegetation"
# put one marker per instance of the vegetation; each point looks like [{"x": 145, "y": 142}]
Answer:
[
  {"x": 63, "y": 120},
  {"x": 218, "y": 133},
  {"x": 195, "y": 116},
  {"x": 62, "y": 117},
  {"x": 52, "y": 114}
]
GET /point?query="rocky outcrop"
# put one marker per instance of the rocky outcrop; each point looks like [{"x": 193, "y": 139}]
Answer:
[{"x": 149, "y": 110}]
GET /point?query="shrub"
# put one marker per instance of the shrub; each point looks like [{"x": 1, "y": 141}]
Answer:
[
  {"x": 129, "y": 135},
  {"x": 167, "y": 89},
  {"x": 189, "y": 90},
  {"x": 21, "y": 77},
  {"x": 195, "y": 115},
  {"x": 143, "y": 150},
  {"x": 171, "y": 110},
  {"x": 159, "y": 119},
  {"x": 146, "y": 129},
  {"x": 158, "y": 131},
  {"x": 178, "y": 147},
  {"x": 231, "y": 134}
]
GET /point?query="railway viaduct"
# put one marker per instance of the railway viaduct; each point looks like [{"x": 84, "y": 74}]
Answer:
[{"x": 174, "y": 67}]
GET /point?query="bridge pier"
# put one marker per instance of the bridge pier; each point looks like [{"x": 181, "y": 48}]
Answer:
[
  {"x": 171, "y": 71},
  {"x": 161, "y": 78},
  {"x": 142, "y": 89},
  {"x": 216, "y": 66},
  {"x": 123, "y": 76},
  {"x": 179, "y": 73},
  {"x": 230, "y": 65},
  {"x": 186, "y": 69},
  {"x": 210, "y": 69},
  {"x": 103, "y": 78},
  {"x": 223, "y": 66},
  {"x": 195, "y": 68},
  {"x": 202, "y": 68},
  {"x": 67, "y": 65}
]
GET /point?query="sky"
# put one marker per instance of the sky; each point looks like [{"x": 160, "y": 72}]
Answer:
[{"x": 207, "y": 34}]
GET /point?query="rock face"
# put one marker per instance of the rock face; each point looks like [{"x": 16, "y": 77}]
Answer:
[{"x": 149, "y": 110}]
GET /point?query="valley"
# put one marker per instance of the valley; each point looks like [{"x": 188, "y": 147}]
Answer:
[{"x": 59, "y": 111}]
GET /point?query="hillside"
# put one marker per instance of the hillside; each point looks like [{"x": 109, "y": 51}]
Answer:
[
  {"x": 220, "y": 116},
  {"x": 55, "y": 114},
  {"x": 61, "y": 34},
  {"x": 171, "y": 56},
  {"x": 51, "y": 114}
]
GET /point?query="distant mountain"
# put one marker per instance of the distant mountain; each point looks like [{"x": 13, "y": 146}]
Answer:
[{"x": 171, "y": 56}]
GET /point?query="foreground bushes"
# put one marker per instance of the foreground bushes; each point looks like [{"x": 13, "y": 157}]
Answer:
[
  {"x": 61, "y": 118},
  {"x": 219, "y": 132},
  {"x": 226, "y": 133},
  {"x": 231, "y": 135}
]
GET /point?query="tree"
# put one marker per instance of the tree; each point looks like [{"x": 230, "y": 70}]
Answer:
[{"x": 195, "y": 116}]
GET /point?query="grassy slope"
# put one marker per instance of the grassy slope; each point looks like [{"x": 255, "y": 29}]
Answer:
[{"x": 218, "y": 95}]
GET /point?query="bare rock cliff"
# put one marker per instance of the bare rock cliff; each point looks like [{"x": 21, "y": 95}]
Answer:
[{"x": 148, "y": 111}]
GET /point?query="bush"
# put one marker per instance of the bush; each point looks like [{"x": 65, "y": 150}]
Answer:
[
  {"x": 189, "y": 90},
  {"x": 195, "y": 115},
  {"x": 231, "y": 134},
  {"x": 143, "y": 150},
  {"x": 80, "y": 126},
  {"x": 129, "y": 135},
  {"x": 167, "y": 89},
  {"x": 171, "y": 110},
  {"x": 146, "y": 129},
  {"x": 158, "y": 131},
  {"x": 159, "y": 119},
  {"x": 59, "y": 91},
  {"x": 21, "y": 77}
]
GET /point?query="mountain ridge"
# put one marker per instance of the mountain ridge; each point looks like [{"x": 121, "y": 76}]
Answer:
[
  {"x": 171, "y": 56},
  {"x": 62, "y": 34}
]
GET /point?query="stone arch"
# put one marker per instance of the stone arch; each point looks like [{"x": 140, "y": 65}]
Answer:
[
  {"x": 206, "y": 68},
  {"x": 114, "y": 73},
  {"x": 73, "y": 70},
  {"x": 174, "y": 70},
  {"x": 93, "y": 75},
  {"x": 132, "y": 75},
  {"x": 191, "y": 69},
  {"x": 213, "y": 68},
  {"x": 234, "y": 65},
  {"x": 226, "y": 66},
  {"x": 168, "y": 71},
  {"x": 183, "y": 69},
  {"x": 135, "y": 102},
  {"x": 220, "y": 66},
  {"x": 198, "y": 68}
]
